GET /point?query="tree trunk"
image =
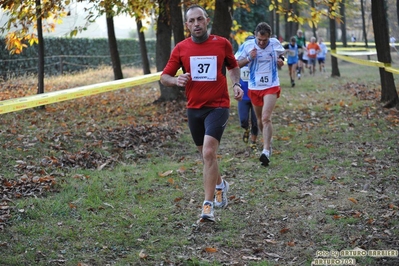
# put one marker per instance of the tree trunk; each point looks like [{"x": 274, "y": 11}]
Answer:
[
  {"x": 286, "y": 27},
  {"x": 343, "y": 24},
  {"x": 143, "y": 48},
  {"x": 163, "y": 48},
  {"x": 333, "y": 39},
  {"x": 277, "y": 21},
  {"x": 364, "y": 24},
  {"x": 222, "y": 21},
  {"x": 113, "y": 48},
  {"x": 296, "y": 25},
  {"x": 176, "y": 19},
  {"x": 272, "y": 20},
  {"x": 389, "y": 95},
  {"x": 397, "y": 10},
  {"x": 289, "y": 26},
  {"x": 313, "y": 26},
  {"x": 40, "y": 64}
]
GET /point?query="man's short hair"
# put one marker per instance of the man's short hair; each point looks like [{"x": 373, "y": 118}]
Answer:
[
  {"x": 263, "y": 28},
  {"x": 192, "y": 7}
]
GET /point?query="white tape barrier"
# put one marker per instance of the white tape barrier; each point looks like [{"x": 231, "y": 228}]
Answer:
[{"x": 358, "y": 53}]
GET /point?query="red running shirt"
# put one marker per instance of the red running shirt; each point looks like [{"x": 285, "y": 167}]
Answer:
[
  {"x": 204, "y": 61},
  {"x": 313, "y": 49}
]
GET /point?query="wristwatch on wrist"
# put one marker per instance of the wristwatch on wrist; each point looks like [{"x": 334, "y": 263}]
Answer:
[{"x": 238, "y": 84}]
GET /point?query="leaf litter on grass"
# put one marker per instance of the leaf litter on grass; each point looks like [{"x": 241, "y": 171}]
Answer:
[{"x": 318, "y": 208}]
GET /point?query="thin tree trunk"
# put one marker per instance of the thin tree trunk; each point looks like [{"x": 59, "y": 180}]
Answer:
[
  {"x": 343, "y": 24},
  {"x": 364, "y": 23},
  {"x": 287, "y": 30},
  {"x": 296, "y": 25},
  {"x": 397, "y": 11},
  {"x": 333, "y": 39},
  {"x": 313, "y": 26},
  {"x": 277, "y": 21},
  {"x": 143, "y": 48},
  {"x": 272, "y": 20},
  {"x": 113, "y": 48},
  {"x": 289, "y": 26},
  {"x": 364, "y": 26},
  {"x": 40, "y": 65}
]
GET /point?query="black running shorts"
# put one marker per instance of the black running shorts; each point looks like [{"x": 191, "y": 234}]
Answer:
[{"x": 207, "y": 121}]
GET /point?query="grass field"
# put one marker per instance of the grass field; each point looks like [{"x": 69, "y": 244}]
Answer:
[{"x": 114, "y": 179}]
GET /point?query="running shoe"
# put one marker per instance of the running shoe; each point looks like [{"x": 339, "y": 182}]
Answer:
[
  {"x": 265, "y": 160},
  {"x": 207, "y": 213},
  {"x": 221, "y": 196},
  {"x": 253, "y": 147}
]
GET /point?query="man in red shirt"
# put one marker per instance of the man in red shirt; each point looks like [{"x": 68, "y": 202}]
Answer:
[
  {"x": 203, "y": 57},
  {"x": 313, "y": 49}
]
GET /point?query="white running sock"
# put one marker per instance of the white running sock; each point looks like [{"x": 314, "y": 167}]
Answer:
[
  {"x": 220, "y": 186},
  {"x": 266, "y": 152},
  {"x": 207, "y": 201}
]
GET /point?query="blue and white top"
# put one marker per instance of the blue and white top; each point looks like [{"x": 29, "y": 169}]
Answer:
[
  {"x": 263, "y": 70},
  {"x": 323, "y": 50},
  {"x": 292, "y": 53}
]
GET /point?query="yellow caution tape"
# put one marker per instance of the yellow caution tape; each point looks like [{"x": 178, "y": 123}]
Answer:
[
  {"x": 17, "y": 104},
  {"x": 353, "y": 49},
  {"x": 357, "y": 61},
  {"x": 392, "y": 70},
  {"x": 352, "y": 44},
  {"x": 344, "y": 56}
]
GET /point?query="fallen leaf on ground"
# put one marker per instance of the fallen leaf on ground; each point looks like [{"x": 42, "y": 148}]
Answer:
[
  {"x": 165, "y": 173},
  {"x": 142, "y": 255},
  {"x": 353, "y": 200},
  {"x": 210, "y": 250}
]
